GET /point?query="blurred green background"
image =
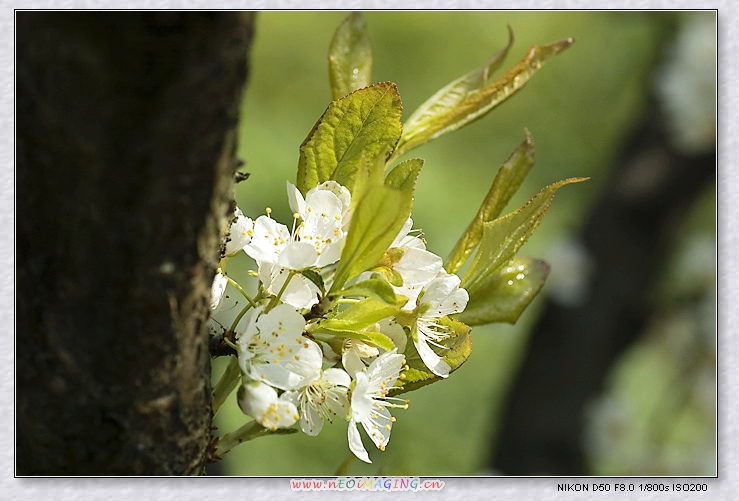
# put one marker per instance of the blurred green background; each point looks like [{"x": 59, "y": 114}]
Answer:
[{"x": 579, "y": 107}]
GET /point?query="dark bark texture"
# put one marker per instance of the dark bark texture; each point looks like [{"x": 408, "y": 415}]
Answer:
[{"x": 125, "y": 166}]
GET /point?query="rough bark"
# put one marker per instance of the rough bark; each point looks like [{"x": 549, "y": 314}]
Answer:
[
  {"x": 572, "y": 348},
  {"x": 125, "y": 165}
]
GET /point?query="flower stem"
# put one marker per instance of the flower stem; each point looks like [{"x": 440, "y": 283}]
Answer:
[
  {"x": 239, "y": 317},
  {"x": 249, "y": 431},
  {"x": 228, "y": 381},
  {"x": 276, "y": 299},
  {"x": 242, "y": 291}
]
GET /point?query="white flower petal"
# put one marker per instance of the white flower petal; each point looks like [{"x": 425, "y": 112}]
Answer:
[
  {"x": 378, "y": 427},
  {"x": 218, "y": 290},
  {"x": 355, "y": 443},
  {"x": 242, "y": 229},
  {"x": 361, "y": 403},
  {"x": 273, "y": 350},
  {"x": 300, "y": 293},
  {"x": 439, "y": 288},
  {"x": 403, "y": 233},
  {"x": 444, "y": 296},
  {"x": 311, "y": 420},
  {"x": 322, "y": 226},
  {"x": 270, "y": 237},
  {"x": 262, "y": 403},
  {"x": 453, "y": 303},
  {"x": 395, "y": 332},
  {"x": 352, "y": 362},
  {"x": 282, "y": 318},
  {"x": 295, "y": 199},
  {"x": 297, "y": 256},
  {"x": 433, "y": 361},
  {"x": 418, "y": 268},
  {"x": 344, "y": 197},
  {"x": 256, "y": 398},
  {"x": 275, "y": 375}
]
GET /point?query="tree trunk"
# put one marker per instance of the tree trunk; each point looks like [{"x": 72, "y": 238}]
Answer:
[{"x": 125, "y": 163}]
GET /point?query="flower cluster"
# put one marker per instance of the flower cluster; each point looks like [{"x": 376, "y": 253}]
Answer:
[{"x": 306, "y": 355}]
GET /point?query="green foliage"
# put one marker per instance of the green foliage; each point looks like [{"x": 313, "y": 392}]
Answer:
[
  {"x": 379, "y": 216},
  {"x": 506, "y": 293},
  {"x": 314, "y": 277},
  {"x": 375, "y": 288},
  {"x": 502, "y": 237},
  {"x": 354, "y": 129},
  {"x": 350, "y": 57},
  {"x": 457, "y": 349},
  {"x": 356, "y": 143},
  {"x": 352, "y": 321},
  {"x": 472, "y": 96},
  {"x": 506, "y": 183},
  {"x": 583, "y": 80}
]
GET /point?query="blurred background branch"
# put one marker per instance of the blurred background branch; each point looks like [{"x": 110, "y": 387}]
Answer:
[{"x": 667, "y": 163}]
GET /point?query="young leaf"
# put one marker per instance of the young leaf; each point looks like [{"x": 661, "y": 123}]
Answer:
[
  {"x": 375, "y": 338},
  {"x": 374, "y": 225},
  {"x": 359, "y": 126},
  {"x": 509, "y": 178},
  {"x": 360, "y": 315},
  {"x": 375, "y": 288},
  {"x": 471, "y": 96},
  {"x": 368, "y": 176},
  {"x": 458, "y": 347},
  {"x": 350, "y": 57},
  {"x": 502, "y": 237},
  {"x": 314, "y": 277},
  {"x": 403, "y": 173},
  {"x": 404, "y": 177},
  {"x": 506, "y": 293}
]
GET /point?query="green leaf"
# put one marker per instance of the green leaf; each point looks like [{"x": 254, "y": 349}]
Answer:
[
  {"x": 506, "y": 293},
  {"x": 352, "y": 321},
  {"x": 471, "y": 97},
  {"x": 378, "y": 218},
  {"x": 502, "y": 237},
  {"x": 509, "y": 178},
  {"x": 359, "y": 316},
  {"x": 458, "y": 347},
  {"x": 358, "y": 127},
  {"x": 404, "y": 174},
  {"x": 374, "y": 287},
  {"x": 350, "y": 57},
  {"x": 367, "y": 177},
  {"x": 404, "y": 177},
  {"x": 314, "y": 277},
  {"x": 375, "y": 338}
]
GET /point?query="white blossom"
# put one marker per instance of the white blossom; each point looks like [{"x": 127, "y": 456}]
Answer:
[
  {"x": 217, "y": 291},
  {"x": 272, "y": 348},
  {"x": 261, "y": 402},
  {"x": 357, "y": 355},
  {"x": 416, "y": 266},
  {"x": 320, "y": 399},
  {"x": 370, "y": 403},
  {"x": 242, "y": 229},
  {"x": 300, "y": 292},
  {"x": 299, "y": 206},
  {"x": 315, "y": 242},
  {"x": 441, "y": 297}
]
